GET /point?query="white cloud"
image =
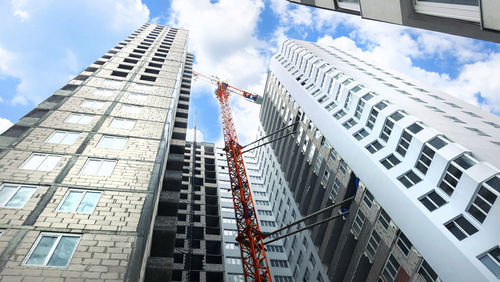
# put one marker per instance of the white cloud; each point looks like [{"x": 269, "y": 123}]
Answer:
[
  {"x": 190, "y": 135},
  {"x": 44, "y": 52},
  {"x": 223, "y": 38},
  {"x": 4, "y": 125},
  {"x": 23, "y": 15}
]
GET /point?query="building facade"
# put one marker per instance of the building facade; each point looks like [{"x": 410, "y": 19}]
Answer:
[
  {"x": 421, "y": 165},
  {"x": 470, "y": 18},
  {"x": 82, "y": 174}
]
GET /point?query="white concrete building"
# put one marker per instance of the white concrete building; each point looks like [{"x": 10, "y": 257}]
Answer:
[{"x": 427, "y": 160}]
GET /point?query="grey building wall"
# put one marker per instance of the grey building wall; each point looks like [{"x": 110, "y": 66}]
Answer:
[
  {"x": 479, "y": 21},
  {"x": 125, "y": 106}
]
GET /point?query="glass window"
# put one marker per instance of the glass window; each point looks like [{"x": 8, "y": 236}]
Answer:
[
  {"x": 80, "y": 201},
  {"x": 63, "y": 137},
  {"x": 103, "y": 92},
  {"x": 404, "y": 244},
  {"x": 131, "y": 109},
  {"x": 15, "y": 195},
  {"x": 454, "y": 172},
  {"x": 357, "y": 225},
  {"x": 432, "y": 201},
  {"x": 384, "y": 219},
  {"x": 409, "y": 179},
  {"x": 122, "y": 123},
  {"x": 458, "y": 9},
  {"x": 98, "y": 167},
  {"x": 368, "y": 199},
  {"x": 461, "y": 228},
  {"x": 391, "y": 269},
  {"x": 112, "y": 142},
  {"x": 79, "y": 118},
  {"x": 390, "y": 161},
  {"x": 373, "y": 244},
  {"x": 374, "y": 147},
  {"x": 492, "y": 261},
  {"x": 138, "y": 97},
  {"x": 92, "y": 104},
  {"x": 42, "y": 162},
  {"x": 485, "y": 198},
  {"x": 427, "y": 273},
  {"x": 52, "y": 249},
  {"x": 360, "y": 134}
]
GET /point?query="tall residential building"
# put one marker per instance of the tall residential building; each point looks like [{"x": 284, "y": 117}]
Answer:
[
  {"x": 470, "y": 18},
  {"x": 421, "y": 165},
  {"x": 83, "y": 175},
  {"x": 261, "y": 187}
]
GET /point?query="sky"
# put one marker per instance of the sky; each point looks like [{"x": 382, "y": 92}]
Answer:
[{"x": 44, "y": 43}]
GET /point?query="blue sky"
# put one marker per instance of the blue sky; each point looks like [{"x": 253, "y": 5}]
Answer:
[{"x": 44, "y": 43}]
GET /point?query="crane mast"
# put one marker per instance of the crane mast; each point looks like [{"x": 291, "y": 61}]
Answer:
[{"x": 250, "y": 238}]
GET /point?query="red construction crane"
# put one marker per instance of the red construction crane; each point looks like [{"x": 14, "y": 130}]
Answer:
[{"x": 253, "y": 254}]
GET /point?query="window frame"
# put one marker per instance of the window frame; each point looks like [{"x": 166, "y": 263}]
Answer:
[
  {"x": 66, "y": 134},
  {"x": 3, "y": 204},
  {"x": 41, "y": 163},
  {"x": 75, "y": 210},
  {"x": 52, "y": 250},
  {"x": 447, "y": 10}
]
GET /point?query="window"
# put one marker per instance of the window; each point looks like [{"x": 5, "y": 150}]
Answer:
[
  {"x": 350, "y": 123},
  {"x": 374, "y": 113},
  {"x": 409, "y": 179},
  {"x": 357, "y": 225},
  {"x": 373, "y": 244},
  {"x": 92, "y": 104},
  {"x": 42, "y": 162},
  {"x": 458, "y": 9},
  {"x": 432, "y": 201},
  {"x": 389, "y": 125},
  {"x": 228, "y": 220},
  {"x": 390, "y": 161},
  {"x": 103, "y": 92},
  {"x": 335, "y": 189},
  {"x": 235, "y": 277},
  {"x": 368, "y": 199},
  {"x": 361, "y": 105},
  {"x": 339, "y": 114},
  {"x": 425, "y": 159},
  {"x": 131, "y": 109},
  {"x": 62, "y": 137},
  {"x": 279, "y": 263},
  {"x": 230, "y": 232},
  {"x": 404, "y": 244},
  {"x": 263, "y": 212},
  {"x": 454, "y": 173},
  {"x": 15, "y": 195},
  {"x": 391, "y": 269},
  {"x": 230, "y": 245},
  {"x": 273, "y": 248},
  {"x": 279, "y": 278},
  {"x": 384, "y": 219},
  {"x": 427, "y": 273},
  {"x": 342, "y": 167},
  {"x": 405, "y": 141},
  {"x": 137, "y": 96},
  {"x": 374, "y": 147},
  {"x": 326, "y": 175},
  {"x": 80, "y": 201},
  {"x": 485, "y": 198},
  {"x": 122, "y": 123},
  {"x": 461, "y": 228},
  {"x": 112, "y": 142},
  {"x": 260, "y": 202},
  {"x": 360, "y": 134},
  {"x": 492, "y": 261},
  {"x": 347, "y": 104},
  {"x": 477, "y": 131},
  {"x": 110, "y": 83},
  {"x": 79, "y": 118},
  {"x": 52, "y": 249},
  {"x": 233, "y": 260},
  {"x": 98, "y": 167}
]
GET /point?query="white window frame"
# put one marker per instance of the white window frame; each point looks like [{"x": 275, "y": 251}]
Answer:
[
  {"x": 103, "y": 92},
  {"x": 98, "y": 173},
  {"x": 92, "y": 104},
  {"x": 66, "y": 135},
  {"x": 100, "y": 144},
  {"x": 80, "y": 117},
  {"x": 138, "y": 96},
  {"x": 461, "y": 12},
  {"x": 131, "y": 109},
  {"x": 51, "y": 252},
  {"x": 4, "y": 202},
  {"x": 116, "y": 120},
  {"x": 79, "y": 201},
  {"x": 492, "y": 260},
  {"x": 41, "y": 166}
]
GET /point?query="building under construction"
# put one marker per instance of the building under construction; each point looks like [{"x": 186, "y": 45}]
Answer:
[{"x": 99, "y": 183}]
